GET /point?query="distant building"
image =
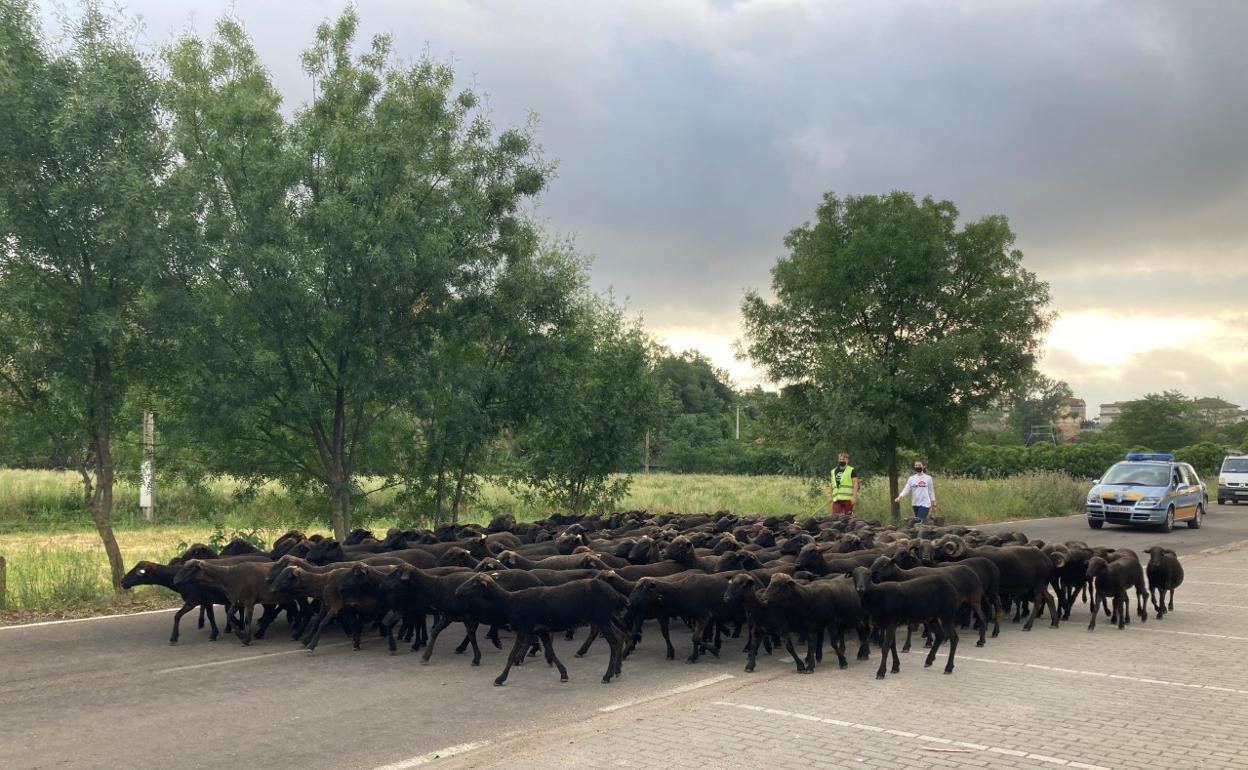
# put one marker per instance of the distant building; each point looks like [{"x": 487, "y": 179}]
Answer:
[
  {"x": 1109, "y": 413},
  {"x": 1218, "y": 411},
  {"x": 1070, "y": 418}
]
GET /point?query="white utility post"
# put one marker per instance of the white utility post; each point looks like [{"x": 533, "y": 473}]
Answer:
[
  {"x": 738, "y": 422},
  {"x": 147, "y": 472},
  {"x": 646, "y": 462}
]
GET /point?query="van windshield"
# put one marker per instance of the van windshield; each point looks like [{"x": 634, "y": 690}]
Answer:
[
  {"x": 1235, "y": 465},
  {"x": 1138, "y": 475}
]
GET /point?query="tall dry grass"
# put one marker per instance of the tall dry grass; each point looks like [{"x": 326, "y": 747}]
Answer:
[{"x": 56, "y": 562}]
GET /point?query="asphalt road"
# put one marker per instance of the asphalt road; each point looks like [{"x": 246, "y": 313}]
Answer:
[
  {"x": 1222, "y": 524},
  {"x": 111, "y": 692}
]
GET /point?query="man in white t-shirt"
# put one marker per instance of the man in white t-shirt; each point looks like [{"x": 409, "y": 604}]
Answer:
[{"x": 922, "y": 493}]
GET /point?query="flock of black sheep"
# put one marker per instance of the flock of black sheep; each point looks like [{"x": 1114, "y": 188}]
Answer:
[{"x": 775, "y": 578}]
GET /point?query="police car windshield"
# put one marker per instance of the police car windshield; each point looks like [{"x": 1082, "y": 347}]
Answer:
[
  {"x": 1138, "y": 475},
  {"x": 1235, "y": 465}
]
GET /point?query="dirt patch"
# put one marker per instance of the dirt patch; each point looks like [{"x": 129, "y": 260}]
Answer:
[{"x": 18, "y": 617}]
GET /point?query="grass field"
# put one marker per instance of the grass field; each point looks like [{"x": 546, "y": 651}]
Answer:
[{"x": 56, "y": 564}]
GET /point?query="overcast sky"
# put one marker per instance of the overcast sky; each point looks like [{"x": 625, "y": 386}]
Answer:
[{"x": 692, "y": 134}]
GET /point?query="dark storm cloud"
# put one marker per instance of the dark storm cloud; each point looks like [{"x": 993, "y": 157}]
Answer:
[{"x": 692, "y": 134}]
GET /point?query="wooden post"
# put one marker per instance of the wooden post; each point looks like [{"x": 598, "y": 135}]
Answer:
[
  {"x": 3, "y": 582},
  {"x": 147, "y": 475},
  {"x": 646, "y": 459}
]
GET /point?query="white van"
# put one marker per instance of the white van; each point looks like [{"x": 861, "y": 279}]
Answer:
[{"x": 1233, "y": 479}]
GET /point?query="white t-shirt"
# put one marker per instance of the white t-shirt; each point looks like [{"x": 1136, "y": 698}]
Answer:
[{"x": 924, "y": 494}]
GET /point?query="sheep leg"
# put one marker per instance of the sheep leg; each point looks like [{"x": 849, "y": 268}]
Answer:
[
  {"x": 177, "y": 618},
  {"x": 1122, "y": 606},
  {"x": 713, "y": 638},
  {"x": 665, "y": 625},
  {"x": 836, "y": 637},
  {"x": 1152, "y": 597},
  {"x": 200, "y": 624},
  {"x": 983, "y": 622},
  {"x": 1096, "y": 609},
  {"x": 1041, "y": 599},
  {"x": 892, "y": 646},
  {"x": 551, "y": 657},
  {"x": 698, "y": 629},
  {"x": 472, "y": 639},
  {"x": 326, "y": 616},
  {"x": 864, "y": 643},
  {"x": 247, "y": 617},
  {"x": 463, "y": 645},
  {"x": 516, "y": 649},
  {"x": 584, "y": 648},
  {"x": 953, "y": 646},
  {"x": 1171, "y": 598},
  {"x": 756, "y": 638},
  {"x": 617, "y": 626},
  {"x": 270, "y": 613},
  {"x": 492, "y": 635},
  {"x": 612, "y": 644},
  {"x": 212, "y": 622},
  {"x": 388, "y": 623},
  {"x": 439, "y": 627},
  {"x": 996, "y": 615},
  {"x": 814, "y": 639},
  {"x": 938, "y": 635},
  {"x": 420, "y": 633},
  {"x": 312, "y": 627},
  {"x": 788, "y": 645},
  {"x": 885, "y": 633}
]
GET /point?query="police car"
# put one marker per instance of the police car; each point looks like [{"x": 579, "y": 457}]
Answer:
[{"x": 1148, "y": 489}]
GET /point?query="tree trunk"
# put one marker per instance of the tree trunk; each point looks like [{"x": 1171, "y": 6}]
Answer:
[
  {"x": 459, "y": 484},
  {"x": 342, "y": 509},
  {"x": 100, "y": 502},
  {"x": 890, "y": 450}
]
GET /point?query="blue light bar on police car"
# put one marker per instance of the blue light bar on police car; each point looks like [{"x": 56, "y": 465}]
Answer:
[{"x": 1151, "y": 456}]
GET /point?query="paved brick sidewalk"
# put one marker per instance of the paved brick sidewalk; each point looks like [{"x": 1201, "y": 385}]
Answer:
[{"x": 1167, "y": 694}]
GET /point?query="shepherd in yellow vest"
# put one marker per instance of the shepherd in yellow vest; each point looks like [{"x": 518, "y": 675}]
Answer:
[{"x": 844, "y": 486}]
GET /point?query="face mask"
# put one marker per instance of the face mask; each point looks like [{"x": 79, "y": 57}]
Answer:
[
  {"x": 840, "y": 464},
  {"x": 918, "y": 469}
]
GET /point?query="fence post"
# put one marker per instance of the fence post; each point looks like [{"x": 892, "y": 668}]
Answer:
[{"x": 3, "y": 582}]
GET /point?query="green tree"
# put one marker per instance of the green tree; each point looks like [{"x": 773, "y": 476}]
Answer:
[
  {"x": 606, "y": 397},
  {"x": 1162, "y": 422},
  {"x": 699, "y": 386},
  {"x": 892, "y": 323},
  {"x": 488, "y": 371},
  {"x": 336, "y": 248},
  {"x": 1038, "y": 401},
  {"x": 82, "y": 159}
]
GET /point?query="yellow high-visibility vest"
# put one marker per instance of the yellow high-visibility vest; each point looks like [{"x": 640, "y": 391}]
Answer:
[{"x": 845, "y": 489}]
